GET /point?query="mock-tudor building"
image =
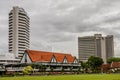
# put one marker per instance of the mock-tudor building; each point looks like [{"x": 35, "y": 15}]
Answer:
[
  {"x": 32, "y": 56},
  {"x": 52, "y": 61}
]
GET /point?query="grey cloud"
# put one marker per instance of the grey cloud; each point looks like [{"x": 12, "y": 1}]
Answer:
[
  {"x": 3, "y": 46},
  {"x": 41, "y": 45},
  {"x": 113, "y": 19},
  {"x": 59, "y": 20}
]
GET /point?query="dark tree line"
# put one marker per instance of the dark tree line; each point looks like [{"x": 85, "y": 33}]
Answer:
[
  {"x": 113, "y": 59},
  {"x": 93, "y": 65}
]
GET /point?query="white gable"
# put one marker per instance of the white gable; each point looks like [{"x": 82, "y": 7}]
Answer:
[
  {"x": 28, "y": 60},
  {"x": 53, "y": 59},
  {"x": 65, "y": 60},
  {"x": 75, "y": 61}
]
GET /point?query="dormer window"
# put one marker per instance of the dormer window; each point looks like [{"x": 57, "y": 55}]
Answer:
[
  {"x": 75, "y": 61},
  {"x": 65, "y": 60},
  {"x": 53, "y": 60}
]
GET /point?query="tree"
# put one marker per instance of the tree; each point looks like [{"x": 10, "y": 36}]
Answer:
[
  {"x": 95, "y": 63},
  {"x": 33, "y": 66},
  {"x": 84, "y": 67},
  {"x": 27, "y": 70},
  {"x": 113, "y": 59}
]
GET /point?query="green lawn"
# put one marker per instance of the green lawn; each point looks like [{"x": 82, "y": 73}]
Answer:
[{"x": 67, "y": 77}]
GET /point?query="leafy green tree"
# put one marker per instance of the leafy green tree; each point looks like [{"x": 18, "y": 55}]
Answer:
[
  {"x": 113, "y": 59},
  {"x": 84, "y": 67},
  {"x": 33, "y": 66},
  {"x": 95, "y": 63},
  {"x": 27, "y": 70}
]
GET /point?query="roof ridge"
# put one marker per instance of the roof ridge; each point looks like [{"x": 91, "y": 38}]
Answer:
[{"x": 38, "y": 56}]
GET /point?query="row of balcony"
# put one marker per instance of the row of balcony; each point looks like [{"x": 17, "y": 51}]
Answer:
[{"x": 47, "y": 69}]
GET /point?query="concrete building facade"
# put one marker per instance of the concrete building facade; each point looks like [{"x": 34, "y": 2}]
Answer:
[
  {"x": 96, "y": 45},
  {"x": 18, "y": 31}
]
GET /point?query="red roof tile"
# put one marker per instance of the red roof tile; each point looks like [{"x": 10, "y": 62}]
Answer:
[
  {"x": 70, "y": 58},
  {"x": 42, "y": 56},
  {"x": 59, "y": 57},
  {"x": 39, "y": 56}
]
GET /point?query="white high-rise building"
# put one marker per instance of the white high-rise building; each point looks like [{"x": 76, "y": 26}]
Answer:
[
  {"x": 96, "y": 45},
  {"x": 18, "y": 31}
]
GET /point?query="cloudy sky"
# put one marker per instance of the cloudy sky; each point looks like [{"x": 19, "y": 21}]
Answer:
[{"x": 56, "y": 24}]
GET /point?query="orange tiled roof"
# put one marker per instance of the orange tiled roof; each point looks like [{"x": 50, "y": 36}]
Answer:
[
  {"x": 39, "y": 56},
  {"x": 42, "y": 56},
  {"x": 70, "y": 58},
  {"x": 59, "y": 57}
]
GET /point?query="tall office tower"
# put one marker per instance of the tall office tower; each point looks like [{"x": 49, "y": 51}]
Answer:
[
  {"x": 95, "y": 46},
  {"x": 18, "y": 31},
  {"x": 109, "y": 46}
]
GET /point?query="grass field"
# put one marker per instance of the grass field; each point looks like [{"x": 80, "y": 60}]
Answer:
[{"x": 67, "y": 77}]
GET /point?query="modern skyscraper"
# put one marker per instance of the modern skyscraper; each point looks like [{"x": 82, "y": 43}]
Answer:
[
  {"x": 95, "y": 46},
  {"x": 18, "y": 31},
  {"x": 109, "y": 46}
]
